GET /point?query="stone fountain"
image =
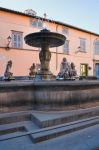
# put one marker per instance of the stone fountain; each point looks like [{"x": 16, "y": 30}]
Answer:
[
  {"x": 45, "y": 40},
  {"x": 48, "y": 94}
]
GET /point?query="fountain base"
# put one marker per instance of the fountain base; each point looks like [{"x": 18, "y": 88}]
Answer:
[{"x": 48, "y": 95}]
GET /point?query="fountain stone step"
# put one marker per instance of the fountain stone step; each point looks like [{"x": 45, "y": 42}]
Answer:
[
  {"x": 47, "y": 119},
  {"x": 56, "y": 131},
  {"x": 8, "y": 118}
]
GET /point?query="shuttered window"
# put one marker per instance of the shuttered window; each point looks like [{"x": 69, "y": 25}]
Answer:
[
  {"x": 36, "y": 23},
  {"x": 66, "y": 47},
  {"x": 65, "y": 31},
  {"x": 17, "y": 39},
  {"x": 82, "y": 44},
  {"x": 40, "y": 24},
  {"x": 96, "y": 47}
]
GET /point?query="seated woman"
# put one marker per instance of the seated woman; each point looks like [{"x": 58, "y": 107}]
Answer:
[
  {"x": 67, "y": 71},
  {"x": 73, "y": 70},
  {"x": 8, "y": 75},
  {"x": 32, "y": 70},
  {"x": 64, "y": 69}
]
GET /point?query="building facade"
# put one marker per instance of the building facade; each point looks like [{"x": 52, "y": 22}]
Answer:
[{"x": 81, "y": 46}]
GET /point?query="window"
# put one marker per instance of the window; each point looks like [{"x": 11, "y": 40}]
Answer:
[
  {"x": 66, "y": 47},
  {"x": 40, "y": 24},
  {"x": 36, "y": 23},
  {"x": 82, "y": 44},
  {"x": 96, "y": 47},
  {"x": 17, "y": 39},
  {"x": 65, "y": 31}
]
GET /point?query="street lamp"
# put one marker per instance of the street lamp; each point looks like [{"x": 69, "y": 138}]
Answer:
[{"x": 9, "y": 41}]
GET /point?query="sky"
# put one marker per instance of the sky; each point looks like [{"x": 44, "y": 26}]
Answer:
[{"x": 81, "y": 13}]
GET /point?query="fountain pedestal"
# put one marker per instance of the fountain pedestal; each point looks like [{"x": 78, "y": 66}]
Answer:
[{"x": 45, "y": 56}]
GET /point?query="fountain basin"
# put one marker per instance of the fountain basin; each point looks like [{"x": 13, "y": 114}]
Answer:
[
  {"x": 45, "y": 38},
  {"x": 48, "y": 94}
]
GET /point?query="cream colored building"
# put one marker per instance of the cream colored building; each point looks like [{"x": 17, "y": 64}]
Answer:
[{"x": 81, "y": 47}]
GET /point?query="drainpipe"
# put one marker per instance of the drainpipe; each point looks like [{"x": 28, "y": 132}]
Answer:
[{"x": 56, "y": 50}]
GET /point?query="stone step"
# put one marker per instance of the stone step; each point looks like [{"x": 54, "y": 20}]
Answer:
[
  {"x": 14, "y": 117},
  {"x": 53, "y": 132},
  {"x": 12, "y": 130},
  {"x": 40, "y": 135},
  {"x": 16, "y": 129},
  {"x": 51, "y": 119}
]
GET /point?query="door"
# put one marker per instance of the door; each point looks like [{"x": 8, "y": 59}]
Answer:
[
  {"x": 84, "y": 70},
  {"x": 97, "y": 70}
]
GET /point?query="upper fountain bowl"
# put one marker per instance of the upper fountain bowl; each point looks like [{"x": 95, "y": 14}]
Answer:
[{"x": 45, "y": 38}]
